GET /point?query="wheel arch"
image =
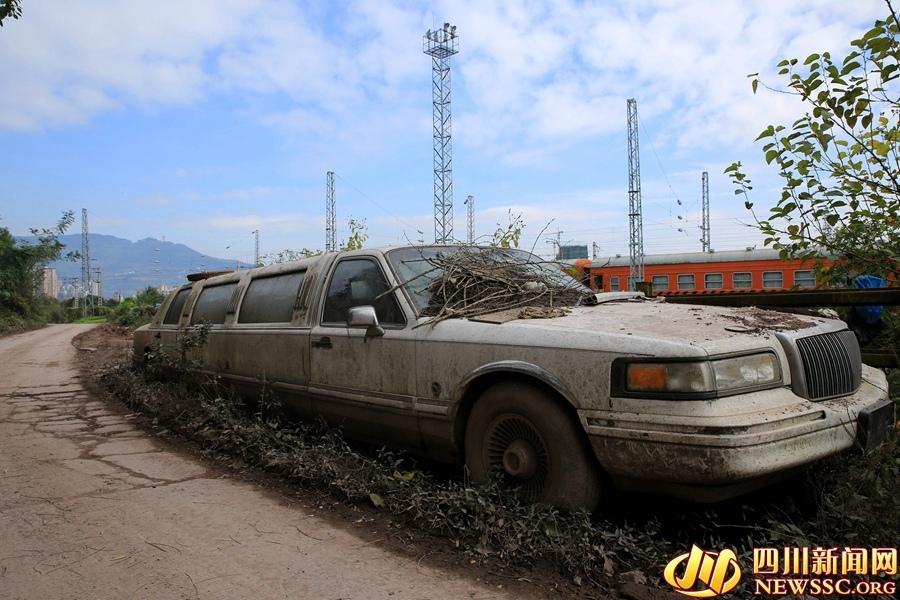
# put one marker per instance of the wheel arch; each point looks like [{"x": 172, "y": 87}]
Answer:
[{"x": 482, "y": 378}]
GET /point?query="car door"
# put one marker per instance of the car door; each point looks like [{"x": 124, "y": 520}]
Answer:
[
  {"x": 270, "y": 339},
  {"x": 365, "y": 385}
]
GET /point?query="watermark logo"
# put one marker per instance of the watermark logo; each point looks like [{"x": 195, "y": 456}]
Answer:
[{"x": 703, "y": 574}]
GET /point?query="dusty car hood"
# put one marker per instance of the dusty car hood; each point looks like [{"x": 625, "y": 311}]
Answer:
[{"x": 712, "y": 328}]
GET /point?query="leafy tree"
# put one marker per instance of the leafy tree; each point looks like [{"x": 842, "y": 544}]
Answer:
[
  {"x": 839, "y": 161},
  {"x": 358, "y": 234},
  {"x": 288, "y": 255},
  {"x": 22, "y": 265},
  {"x": 149, "y": 296},
  {"x": 10, "y": 9},
  {"x": 509, "y": 235}
]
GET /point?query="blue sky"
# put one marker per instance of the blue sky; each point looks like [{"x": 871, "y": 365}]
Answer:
[{"x": 202, "y": 121}]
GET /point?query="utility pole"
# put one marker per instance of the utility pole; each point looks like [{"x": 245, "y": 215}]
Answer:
[
  {"x": 470, "y": 217},
  {"x": 330, "y": 229},
  {"x": 704, "y": 228},
  {"x": 99, "y": 286},
  {"x": 87, "y": 306},
  {"x": 256, "y": 262},
  {"x": 635, "y": 217},
  {"x": 557, "y": 242},
  {"x": 442, "y": 44}
]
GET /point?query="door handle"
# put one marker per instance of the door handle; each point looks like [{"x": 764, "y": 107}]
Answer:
[{"x": 323, "y": 342}]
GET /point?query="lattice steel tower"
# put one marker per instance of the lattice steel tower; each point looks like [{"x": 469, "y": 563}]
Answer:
[
  {"x": 256, "y": 262},
  {"x": 704, "y": 227},
  {"x": 470, "y": 218},
  {"x": 87, "y": 306},
  {"x": 330, "y": 230},
  {"x": 441, "y": 44},
  {"x": 635, "y": 218}
]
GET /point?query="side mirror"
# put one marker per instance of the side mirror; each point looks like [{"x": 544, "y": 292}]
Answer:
[{"x": 364, "y": 317}]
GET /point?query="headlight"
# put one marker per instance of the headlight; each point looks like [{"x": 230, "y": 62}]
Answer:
[
  {"x": 746, "y": 371},
  {"x": 676, "y": 377},
  {"x": 700, "y": 378}
]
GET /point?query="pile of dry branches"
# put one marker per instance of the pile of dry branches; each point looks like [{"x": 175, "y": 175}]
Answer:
[{"x": 469, "y": 282}]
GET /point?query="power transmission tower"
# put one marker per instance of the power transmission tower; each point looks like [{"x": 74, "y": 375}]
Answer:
[
  {"x": 441, "y": 44},
  {"x": 704, "y": 227},
  {"x": 87, "y": 306},
  {"x": 595, "y": 250},
  {"x": 256, "y": 262},
  {"x": 470, "y": 217},
  {"x": 635, "y": 218},
  {"x": 330, "y": 230}
]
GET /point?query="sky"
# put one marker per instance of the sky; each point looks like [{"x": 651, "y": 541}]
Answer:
[{"x": 201, "y": 121}]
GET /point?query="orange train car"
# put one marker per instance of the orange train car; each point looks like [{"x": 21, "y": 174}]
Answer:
[{"x": 754, "y": 269}]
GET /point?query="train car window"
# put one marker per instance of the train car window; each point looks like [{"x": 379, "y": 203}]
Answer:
[
  {"x": 213, "y": 304},
  {"x": 742, "y": 280},
  {"x": 173, "y": 315},
  {"x": 712, "y": 281},
  {"x": 660, "y": 283},
  {"x": 614, "y": 284},
  {"x": 359, "y": 282},
  {"x": 686, "y": 282},
  {"x": 804, "y": 279},
  {"x": 773, "y": 279},
  {"x": 271, "y": 299}
]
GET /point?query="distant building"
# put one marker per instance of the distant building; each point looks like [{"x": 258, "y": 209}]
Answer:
[
  {"x": 572, "y": 252},
  {"x": 50, "y": 285},
  {"x": 165, "y": 289}
]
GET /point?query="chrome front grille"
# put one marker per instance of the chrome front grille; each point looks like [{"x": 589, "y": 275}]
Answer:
[{"x": 831, "y": 365}]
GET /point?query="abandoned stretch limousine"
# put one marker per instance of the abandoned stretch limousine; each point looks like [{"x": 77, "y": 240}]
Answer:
[{"x": 695, "y": 402}]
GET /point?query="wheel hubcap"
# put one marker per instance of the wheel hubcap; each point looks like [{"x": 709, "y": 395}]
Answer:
[
  {"x": 520, "y": 460},
  {"x": 517, "y": 451}
]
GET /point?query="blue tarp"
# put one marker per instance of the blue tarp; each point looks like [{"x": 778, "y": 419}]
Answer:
[{"x": 869, "y": 314}]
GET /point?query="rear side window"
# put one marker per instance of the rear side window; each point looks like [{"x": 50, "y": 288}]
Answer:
[
  {"x": 271, "y": 299},
  {"x": 213, "y": 304},
  {"x": 173, "y": 315}
]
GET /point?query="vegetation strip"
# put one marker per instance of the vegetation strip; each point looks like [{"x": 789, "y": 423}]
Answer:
[{"x": 851, "y": 497}]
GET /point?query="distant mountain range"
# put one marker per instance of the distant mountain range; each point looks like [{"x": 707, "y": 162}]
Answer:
[{"x": 127, "y": 267}]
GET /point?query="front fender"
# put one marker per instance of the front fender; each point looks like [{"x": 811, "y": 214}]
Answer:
[{"x": 513, "y": 367}]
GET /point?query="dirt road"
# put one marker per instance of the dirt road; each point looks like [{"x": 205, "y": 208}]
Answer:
[{"x": 93, "y": 507}]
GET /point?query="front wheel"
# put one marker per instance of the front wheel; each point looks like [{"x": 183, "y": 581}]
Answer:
[{"x": 517, "y": 432}]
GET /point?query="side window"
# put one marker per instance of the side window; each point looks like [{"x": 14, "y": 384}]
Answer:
[
  {"x": 614, "y": 284},
  {"x": 271, "y": 299},
  {"x": 357, "y": 282},
  {"x": 213, "y": 303},
  {"x": 804, "y": 279},
  {"x": 174, "y": 313},
  {"x": 773, "y": 279},
  {"x": 742, "y": 280},
  {"x": 712, "y": 281},
  {"x": 660, "y": 283},
  {"x": 685, "y": 282}
]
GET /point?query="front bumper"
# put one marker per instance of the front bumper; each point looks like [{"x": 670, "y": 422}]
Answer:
[{"x": 709, "y": 458}]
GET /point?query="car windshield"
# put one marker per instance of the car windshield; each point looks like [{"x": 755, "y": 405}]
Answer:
[{"x": 415, "y": 269}]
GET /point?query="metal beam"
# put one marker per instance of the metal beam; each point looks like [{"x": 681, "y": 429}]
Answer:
[{"x": 790, "y": 298}]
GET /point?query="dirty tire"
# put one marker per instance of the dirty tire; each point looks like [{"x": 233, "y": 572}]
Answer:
[{"x": 519, "y": 433}]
